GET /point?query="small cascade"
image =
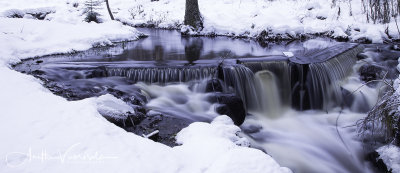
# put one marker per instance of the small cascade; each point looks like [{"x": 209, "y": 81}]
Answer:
[
  {"x": 242, "y": 80},
  {"x": 307, "y": 86},
  {"x": 324, "y": 81},
  {"x": 268, "y": 93},
  {"x": 163, "y": 75},
  {"x": 281, "y": 72}
]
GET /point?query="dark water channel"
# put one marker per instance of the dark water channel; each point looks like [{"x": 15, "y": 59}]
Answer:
[{"x": 285, "y": 104}]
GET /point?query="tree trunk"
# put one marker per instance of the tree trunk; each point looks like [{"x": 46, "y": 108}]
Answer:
[
  {"x": 109, "y": 10},
  {"x": 192, "y": 15}
]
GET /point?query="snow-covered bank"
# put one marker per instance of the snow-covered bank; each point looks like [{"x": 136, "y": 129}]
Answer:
[
  {"x": 249, "y": 18},
  {"x": 23, "y": 38},
  {"x": 41, "y": 132},
  {"x": 285, "y": 19}
]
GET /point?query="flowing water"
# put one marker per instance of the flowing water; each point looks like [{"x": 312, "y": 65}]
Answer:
[{"x": 300, "y": 111}]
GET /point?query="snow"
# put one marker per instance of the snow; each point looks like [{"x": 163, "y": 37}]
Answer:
[
  {"x": 108, "y": 105},
  {"x": 219, "y": 136},
  {"x": 250, "y": 17},
  {"x": 228, "y": 17},
  {"x": 29, "y": 38},
  {"x": 288, "y": 54},
  {"x": 339, "y": 33},
  {"x": 390, "y": 154},
  {"x": 42, "y": 132}
]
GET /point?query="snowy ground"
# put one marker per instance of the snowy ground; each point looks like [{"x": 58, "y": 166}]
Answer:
[
  {"x": 41, "y": 132},
  {"x": 250, "y": 17},
  {"x": 247, "y": 18}
]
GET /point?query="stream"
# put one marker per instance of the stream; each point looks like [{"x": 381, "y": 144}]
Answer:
[{"x": 299, "y": 109}]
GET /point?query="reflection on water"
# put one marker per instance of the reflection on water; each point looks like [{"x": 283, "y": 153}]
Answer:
[
  {"x": 165, "y": 46},
  {"x": 193, "y": 48},
  {"x": 168, "y": 47}
]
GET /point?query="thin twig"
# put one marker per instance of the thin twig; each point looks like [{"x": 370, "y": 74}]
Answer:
[{"x": 340, "y": 136}]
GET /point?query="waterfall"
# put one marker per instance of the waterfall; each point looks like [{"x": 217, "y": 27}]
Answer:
[
  {"x": 280, "y": 71},
  {"x": 324, "y": 81},
  {"x": 242, "y": 80},
  {"x": 287, "y": 82},
  {"x": 268, "y": 92},
  {"x": 163, "y": 75}
]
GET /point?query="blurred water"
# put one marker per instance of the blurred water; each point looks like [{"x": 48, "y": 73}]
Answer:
[{"x": 319, "y": 140}]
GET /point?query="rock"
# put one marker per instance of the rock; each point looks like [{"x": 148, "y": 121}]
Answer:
[
  {"x": 395, "y": 47},
  {"x": 363, "y": 40},
  {"x": 361, "y": 56},
  {"x": 376, "y": 162},
  {"x": 134, "y": 119},
  {"x": 38, "y": 72},
  {"x": 115, "y": 92},
  {"x": 230, "y": 105},
  {"x": 117, "y": 122},
  {"x": 140, "y": 109},
  {"x": 131, "y": 120},
  {"x": 214, "y": 85},
  {"x": 168, "y": 127},
  {"x": 14, "y": 13},
  {"x": 370, "y": 72}
]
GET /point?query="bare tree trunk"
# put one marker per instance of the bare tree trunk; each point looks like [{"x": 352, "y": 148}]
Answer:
[
  {"x": 109, "y": 10},
  {"x": 192, "y": 15}
]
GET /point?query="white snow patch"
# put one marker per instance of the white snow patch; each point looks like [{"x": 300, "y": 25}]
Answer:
[
  {"x": 339, "y": 33},
  {"x": 288, "y": 54},
  {"x": 219, "y": 140},
  {"x": 390, "y": 154},
  {"x": 108, "y": 105},
  {"x": 23, "y": 38}
]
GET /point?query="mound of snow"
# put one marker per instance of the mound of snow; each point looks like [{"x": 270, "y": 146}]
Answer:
[
  {"x": 229, "y": 152},
  {"x": 110, "y": 106},
  {"x": 339, "y": 33}
]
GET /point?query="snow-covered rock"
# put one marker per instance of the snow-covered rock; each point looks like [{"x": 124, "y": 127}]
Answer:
[
  {"x": 110, "y": 106},
  {"x": 390, "y": 154}
]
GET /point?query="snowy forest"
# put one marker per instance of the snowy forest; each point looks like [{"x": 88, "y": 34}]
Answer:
[{"x": 200, "y": 86}]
